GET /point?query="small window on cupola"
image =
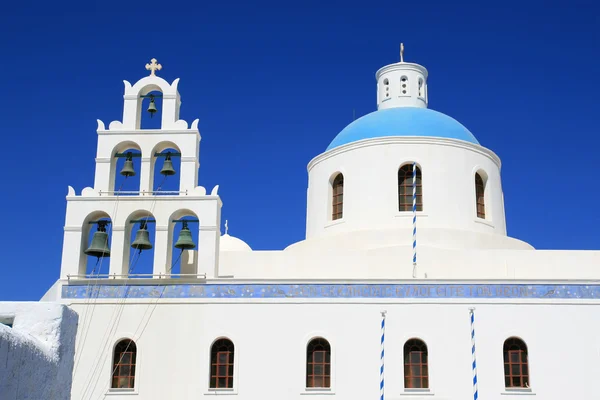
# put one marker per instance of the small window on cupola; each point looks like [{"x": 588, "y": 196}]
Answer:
[
  {"x": 386, "y": 83},
  {"x": 421, "y": 92},
  {"x": 404, "y": 85}
]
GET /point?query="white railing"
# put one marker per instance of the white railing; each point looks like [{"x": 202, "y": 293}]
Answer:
[
  {"x": 134, "y": 276},
  {"x": 142, "y": 192}
]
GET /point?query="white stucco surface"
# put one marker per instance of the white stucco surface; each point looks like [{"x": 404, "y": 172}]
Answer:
[{"x": 37, "y": 353}]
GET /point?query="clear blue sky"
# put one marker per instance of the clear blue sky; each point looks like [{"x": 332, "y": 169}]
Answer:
[{"x": 273, "y": 83}]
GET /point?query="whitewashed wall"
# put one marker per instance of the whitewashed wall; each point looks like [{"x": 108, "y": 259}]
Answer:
[
  {"x": 270, "y": 340},
  {"x": 37, "y": 353},
  {"x": 370, "y": 169}
]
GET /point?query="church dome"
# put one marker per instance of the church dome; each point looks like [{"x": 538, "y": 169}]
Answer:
[
  {"x": 231, "y": 243},
  {"x": 403, "y": 121}
]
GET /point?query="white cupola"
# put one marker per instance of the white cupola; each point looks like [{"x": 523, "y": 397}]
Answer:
[{"x": 401, "y": 85}]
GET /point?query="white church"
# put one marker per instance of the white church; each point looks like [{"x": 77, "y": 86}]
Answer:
[{"x": 407, "y": 286}]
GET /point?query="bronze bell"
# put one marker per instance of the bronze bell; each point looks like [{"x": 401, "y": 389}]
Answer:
[
  {"x": 152, "y": 107},
  {"x": 185, "y": 242},
  {"x": 167, "y": 169},
  {"x": 99, "y": 246},
  {"x": 142, "y": 238},
  {"x": 127, "y": 169}
]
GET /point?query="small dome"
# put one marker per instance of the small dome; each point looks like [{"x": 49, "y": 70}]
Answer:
[
  {"x": 403, "y": 121},
  {"x": 230, "y": 243}
]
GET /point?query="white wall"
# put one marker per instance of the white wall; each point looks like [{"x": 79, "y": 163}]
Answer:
[
  {"x": 37, "y": 353},
  {"x": 270, "y": 339},
  {"x": 370, "y": 169}
]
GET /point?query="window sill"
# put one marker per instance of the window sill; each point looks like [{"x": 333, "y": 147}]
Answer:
[
  {"x": 317, "y": 391},
  {"x": 409, "y": 214},
  {"x": 518, "y": 392},
  {"x": 336, "y": 222},
  {"x": 417, "y": 392},
  {"x": 121, "y": 392},
  {"x": 484, "y": 222},
  {"x": 221, "y": 392}
]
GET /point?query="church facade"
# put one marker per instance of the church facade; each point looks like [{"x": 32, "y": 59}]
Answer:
[{"x": 407, "y": 285}]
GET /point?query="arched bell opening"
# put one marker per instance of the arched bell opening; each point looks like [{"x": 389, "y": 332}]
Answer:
[
  {"x": 165, "y": 168},
  {"x": 150, "y": 108},
  {"x": 138, "y": 253},
  {"x": 96, "y": 234},
  {"x": 182, "y": 253},
  {"x": 125, "y": 168}
]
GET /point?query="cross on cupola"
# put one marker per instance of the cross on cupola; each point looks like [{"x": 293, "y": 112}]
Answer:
[{"x": 153, "y": 67}]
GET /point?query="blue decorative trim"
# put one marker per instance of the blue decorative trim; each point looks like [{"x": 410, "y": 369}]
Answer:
[{"x": 345, "y": 291}]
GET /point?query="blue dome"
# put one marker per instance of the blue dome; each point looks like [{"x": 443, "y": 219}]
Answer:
[{"x": 403, "y": 121}]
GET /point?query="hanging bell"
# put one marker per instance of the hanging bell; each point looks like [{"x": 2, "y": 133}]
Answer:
[
  {"x": 167, "y": 169},
  {"x": 185, "y": 242},
  {"x": 127, "y": 169},
  {"x": 142, "y": 238},
  {"x": 152, "y": 107},
  {"x": 99, "y": 246}
]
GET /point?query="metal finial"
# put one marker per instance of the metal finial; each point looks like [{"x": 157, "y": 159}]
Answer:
[
  {"x": 153, "y": 67},
  {"x": 226, "y": 227},
  {"x": 401, "y": 52}
]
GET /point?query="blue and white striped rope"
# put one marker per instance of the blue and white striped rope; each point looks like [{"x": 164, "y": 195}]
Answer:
[
  {"x": 381, "y": 375},
  {"x": 475, "y": 390},
  {"x": 414, "y": 187}
]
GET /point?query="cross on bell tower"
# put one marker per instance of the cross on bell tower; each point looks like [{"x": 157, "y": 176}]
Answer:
[{"x": 153, "y": 67}]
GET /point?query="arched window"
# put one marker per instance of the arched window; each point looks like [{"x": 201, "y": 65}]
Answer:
[
  {"x": 480, "y": 196},
  {"x": 337, "y": 199},
  {"x": 420, "y": 87},
  {"x": 405, "y": 188},
  {"x": 221, "y": 364},
  {"x": 123, "y": 372},
  {"x": 318, "y": 364},
  {"x": 516, "y": 369},
  {"x": 416, "y": 371}
]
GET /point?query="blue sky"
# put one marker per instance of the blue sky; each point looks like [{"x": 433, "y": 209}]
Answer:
[{"x": 273, "y": 83}]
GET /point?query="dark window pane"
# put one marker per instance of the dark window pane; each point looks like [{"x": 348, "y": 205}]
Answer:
[
  {"x": 222, "y": 357},
  {"x": 222, "y": 382},
  {"x": 507, "y": 381},
  {"x": 425, "y": 382},
  {"x": 318, "y": 381},
  {"x": 123, "y": 383},
  {"x": 318, "y": 356},
  {"x": 515, "y": 369},
  {"x": 124, "y": 371},
  {"x": 514, "y": 357},
  {"x": 516, "y": 381},
  {"x": 213, "y": 382},
  {"x": 415, "y": 357},
  {"x": 327, "y": 382},
  {"x": 125, "y": 358},
  {"x": 415, "y": 370},
  {"x": 415, "y": 383},
  {"x": 524, "y": 369},
  {"x": 222, "y": 370}
]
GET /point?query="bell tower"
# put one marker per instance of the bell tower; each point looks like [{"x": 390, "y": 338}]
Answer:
[{"x": 107, "y": 215}]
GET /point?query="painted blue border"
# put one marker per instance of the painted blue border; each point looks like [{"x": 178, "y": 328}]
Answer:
[{"x": 344, "y": 291}]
